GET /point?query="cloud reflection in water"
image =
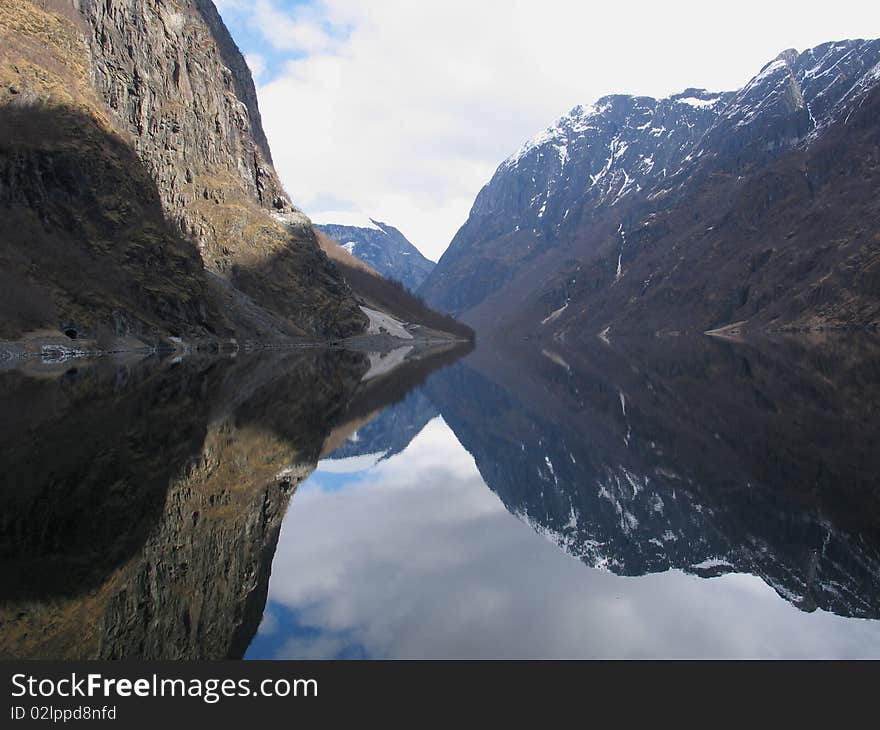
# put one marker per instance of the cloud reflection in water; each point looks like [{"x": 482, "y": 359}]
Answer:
[{"x": 414, "y": 557}]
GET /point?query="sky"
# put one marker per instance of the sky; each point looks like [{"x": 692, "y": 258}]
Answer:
[{"x": 401, "y": 110}]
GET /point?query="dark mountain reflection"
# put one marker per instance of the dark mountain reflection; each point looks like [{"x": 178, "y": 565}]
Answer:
[
  {"x": 140, "y": 503},
  {"x": 703, "y": 455}
]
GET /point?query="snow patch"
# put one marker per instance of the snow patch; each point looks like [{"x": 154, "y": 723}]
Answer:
[
  {"x": 709, "y": 563},
  {"x": 698, "y": 103},
  {"x": 382, "y": 363},
  {"x": 554, "y": 315},
  {"x": 570, "y": 125},
  {"x": 381, "y": 322}
]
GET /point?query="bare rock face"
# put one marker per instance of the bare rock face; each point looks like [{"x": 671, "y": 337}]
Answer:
[
  {"x": 164, "y": 85},
  {"x": 177, "y": 84},
  {"x": 193, "y": 120},
  {"x": 198, "y": 587},
  {"x": 141, "y": 502}
]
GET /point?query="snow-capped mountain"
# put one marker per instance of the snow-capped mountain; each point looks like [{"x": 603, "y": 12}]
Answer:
[
  {"x": 604, "y": 152},
  {"x": 561, "y": 218},
  {"x": 381, "y": 246}
]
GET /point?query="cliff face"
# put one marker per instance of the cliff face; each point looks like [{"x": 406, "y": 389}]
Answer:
[
  {"x": 193, "y": 119},
  {"x": 155, "y": 101},
  {"x": 140, "y": 504}
]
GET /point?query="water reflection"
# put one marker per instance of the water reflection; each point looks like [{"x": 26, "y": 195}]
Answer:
[
  {"x": 648, "y": 498},
  {"x": 723, "y": 497},
  {"x": 141, "y": 502},
  {"x": 701, "y": 455}
]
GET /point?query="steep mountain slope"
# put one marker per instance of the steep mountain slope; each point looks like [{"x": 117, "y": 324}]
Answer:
[
  {"x": 686, "y": 213},
  {"x": 593, "y": 157},
  {"x": 138, "y": 191},
  {"x": 383, "y": 248},
  {"x": 338, "y": 253},
  {"x": 141, "y": 501},
  {"x": 391, "y": 431}
]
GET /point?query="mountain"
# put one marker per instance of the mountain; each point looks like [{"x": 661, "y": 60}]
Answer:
[
  {"x": 138, "y": 193},
  {"x": 383, "y": 248},
  {"x": 391, "y": 431},
  {"x": 118, "y": 546},
  {"x": 687, "y": 213}
]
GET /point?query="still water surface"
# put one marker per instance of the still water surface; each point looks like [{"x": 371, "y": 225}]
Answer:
[{"x": 647, "y": 499}]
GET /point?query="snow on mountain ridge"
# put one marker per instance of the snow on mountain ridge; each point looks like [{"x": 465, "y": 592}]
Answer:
[
  {"x": 608, "y": 150},
  {"x": 785, "y": 72},
  {"x": 573, "y": 121},
  {"x": 637, "y": 131},
  {"x": 579, "y": 119}
]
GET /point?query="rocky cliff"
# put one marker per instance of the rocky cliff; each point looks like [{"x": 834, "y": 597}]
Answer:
[
  {"x": 138, "y": 183},
  {"x": 141, "y": 502}
]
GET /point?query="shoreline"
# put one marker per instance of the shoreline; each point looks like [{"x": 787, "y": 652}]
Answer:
[{"x": 55, "y": 350}]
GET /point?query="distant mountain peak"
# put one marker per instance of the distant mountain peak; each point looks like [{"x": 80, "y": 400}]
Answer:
[
  {"x": 347, "y": 218},
  {"x": 380, "y": 245}
]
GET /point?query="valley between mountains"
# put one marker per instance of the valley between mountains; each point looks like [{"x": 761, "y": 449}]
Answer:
[
  {"x": 182, "y": 349},
  {"x": 141, "y": 205}
]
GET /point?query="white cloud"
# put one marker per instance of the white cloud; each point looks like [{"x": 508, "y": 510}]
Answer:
[
  {"x": 403, "y": 110},
  {"x": 304, "y": 28},
  {"x": 257, "y": 64}
]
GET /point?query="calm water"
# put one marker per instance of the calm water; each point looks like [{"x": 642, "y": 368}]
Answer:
[{"x": 663, "y": 498}]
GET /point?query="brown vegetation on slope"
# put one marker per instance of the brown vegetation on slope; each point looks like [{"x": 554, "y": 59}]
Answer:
[
  {"x": 388, "y": 295},
  {"x": 141, "y": 505},
  {"x": 337, "y": 253}
]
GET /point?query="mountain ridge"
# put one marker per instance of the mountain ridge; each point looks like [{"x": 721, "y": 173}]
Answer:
[
  {"x": 566, "y": 210},
  {"x": 384, "y": 248}
]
